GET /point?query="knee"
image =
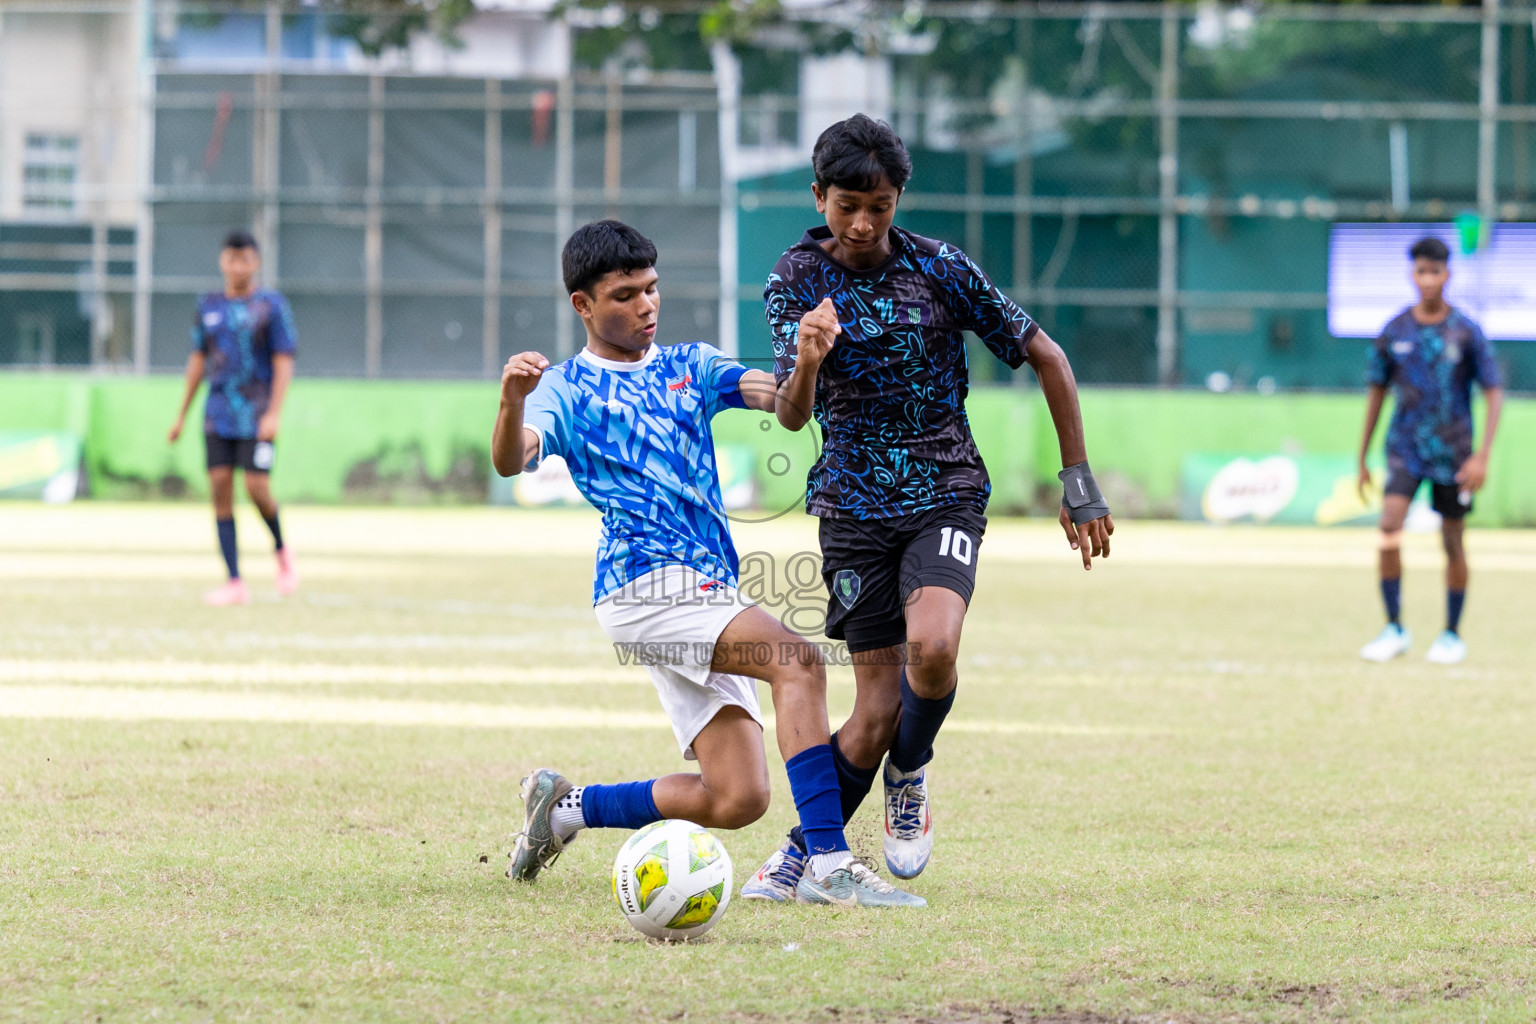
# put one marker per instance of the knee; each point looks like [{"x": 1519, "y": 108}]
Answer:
[
  {"x": 1452, "y": 541},
  {"x": 931, "y": 664},
  {"x": 800, "y": 667},
  {"x": 1390, "y": 539},
  {"x": 740, "y": 806}
]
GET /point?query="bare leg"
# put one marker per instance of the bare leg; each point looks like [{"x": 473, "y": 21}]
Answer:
[
  {"x": 935, "y": 617},
  {"x": 731, "y": 790},
  {"x": 259, "y": 487},
  {"x": 221, "y": 481},
  {"x": 1394, "y": 509},
  {"x": 1456, "y": 573}
]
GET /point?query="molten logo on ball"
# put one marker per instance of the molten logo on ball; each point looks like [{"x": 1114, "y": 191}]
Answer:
[{"x": 672, "y": 880}]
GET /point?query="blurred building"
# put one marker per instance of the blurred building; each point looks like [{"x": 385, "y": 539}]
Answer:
[{"x": 1157, "y": 184}]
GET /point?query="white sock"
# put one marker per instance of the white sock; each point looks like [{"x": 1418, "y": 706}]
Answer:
[
  {"x": 894, "y": 774},
  {"x": 823, "y": 864},
  {"x": 566, "y": 817}
]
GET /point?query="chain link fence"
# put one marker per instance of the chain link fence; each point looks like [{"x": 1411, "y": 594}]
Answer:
[{"x": 1154, "y": 183}]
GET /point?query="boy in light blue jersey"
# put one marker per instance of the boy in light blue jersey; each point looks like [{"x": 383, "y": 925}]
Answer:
[{"x": 632, "y": 421}]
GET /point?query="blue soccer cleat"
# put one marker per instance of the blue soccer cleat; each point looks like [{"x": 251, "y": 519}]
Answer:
[
  {"x": 777, "y": 878},
  {"x": 853, "y": 885},
  {"x": 908, "y": 838},
  {"x": 538, "y": 844}
]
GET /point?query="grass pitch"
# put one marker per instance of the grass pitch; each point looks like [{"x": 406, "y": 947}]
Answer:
[{"x": 1168, "y": 791}]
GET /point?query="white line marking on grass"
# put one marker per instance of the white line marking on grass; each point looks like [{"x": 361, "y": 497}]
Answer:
[
  {"x": 13, "y": 670},
  {"x": 109, "y": 704},
  {"x": 101, "y": 703}
]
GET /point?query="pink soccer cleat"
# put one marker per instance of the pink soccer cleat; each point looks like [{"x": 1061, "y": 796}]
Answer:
[
  {"x": 233, "y": 592},
  {"x": 287, "y": 572}
]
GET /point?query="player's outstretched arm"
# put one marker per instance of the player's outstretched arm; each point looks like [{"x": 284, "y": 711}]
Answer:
[
  {"x": 757, "y": 391},
  {"x": 1474, "y": 472},
  {"x": 194, "y": 378},
  {"x": 514, "y": 446},
  {"x": 1084, "y": 515},
  {"x": 818, "y": 333},
  {"x": 1373, "y": 401}
]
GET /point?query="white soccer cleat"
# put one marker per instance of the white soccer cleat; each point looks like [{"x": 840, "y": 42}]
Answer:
[
  {"x": 908, "y": 838},
  {"x": 1448, "y": 649},
  {"x": 1391, "y": 642}
]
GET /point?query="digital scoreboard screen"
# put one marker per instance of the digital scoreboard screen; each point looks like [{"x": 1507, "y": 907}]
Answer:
[{"x": 1369, "y": 279}]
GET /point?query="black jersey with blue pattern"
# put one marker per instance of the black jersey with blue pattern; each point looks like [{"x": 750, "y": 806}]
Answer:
[
  {"x": 1431, "y": 368},
  {"x": 239, "y": 337},
  {"x": 890, "y": 397}
]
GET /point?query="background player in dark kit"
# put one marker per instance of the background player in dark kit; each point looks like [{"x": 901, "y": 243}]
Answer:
[
  {"x": 1429, "y": 354},
  {"x": 868, "y": 323},
  {"x": 243, "y": 342}
]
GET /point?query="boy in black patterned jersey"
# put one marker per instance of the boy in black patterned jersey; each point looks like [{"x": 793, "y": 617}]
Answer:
[{"x": 868, "y": 323}]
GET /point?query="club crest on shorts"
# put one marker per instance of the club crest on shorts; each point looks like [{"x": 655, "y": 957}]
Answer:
[{"x": 845, "y": 584}]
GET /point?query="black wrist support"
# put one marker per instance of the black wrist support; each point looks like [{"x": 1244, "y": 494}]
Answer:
[{"x": 1080, "y": 494}]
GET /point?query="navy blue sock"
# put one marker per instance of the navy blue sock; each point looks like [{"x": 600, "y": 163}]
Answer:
[
  {"x": 813, "y": 783},
  {"x": 277, "y": 531},
  {"x": 920, "y": 722},
  {"x": 227, "y": 545},
  {"x": 1454, "y": 599},
  {"x": 621, "y": 805},
  {"x": 853, "y": 782},
  {"x": 1392, "y": 597}
]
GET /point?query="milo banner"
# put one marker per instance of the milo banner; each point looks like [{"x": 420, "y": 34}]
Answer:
[
  {"x": 1310, "y": 490},
  {"x": 34, "y": 464}
]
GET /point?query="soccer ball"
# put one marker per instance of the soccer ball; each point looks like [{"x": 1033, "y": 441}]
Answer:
[{"x": 672, "y": 880}]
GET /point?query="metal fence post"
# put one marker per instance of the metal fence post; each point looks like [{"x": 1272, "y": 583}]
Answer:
[
  {"x": 373, "y": 233},
  {"x": 565, "y": 215},
  {"x": 1168, "y": 190},
  {"x": 144, "y": 233},
  {"x": 728, "y": 99},
  {"x": 490, "y": 338},
  {"x": 266, "y": 143},
  {"x": 1488, "y": 114}
]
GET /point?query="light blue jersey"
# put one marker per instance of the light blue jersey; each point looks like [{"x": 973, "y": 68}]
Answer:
[{"x": 638, "y": 442}]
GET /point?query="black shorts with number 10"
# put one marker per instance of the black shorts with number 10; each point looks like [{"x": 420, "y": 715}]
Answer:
[{"x": 871, "y": 567}]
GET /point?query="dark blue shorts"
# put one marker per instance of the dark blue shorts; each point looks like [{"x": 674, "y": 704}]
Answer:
[
  {"x": 247, "y": 453},
  {"x": 1443, "y": 498},
  {"x": 871, "y": 567}
]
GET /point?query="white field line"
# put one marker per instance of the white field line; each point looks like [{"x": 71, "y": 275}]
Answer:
[
  {"x": 83, "y": 703},
  {"x": 110, "y": 704},
  {"x": 163, "y": 673}
]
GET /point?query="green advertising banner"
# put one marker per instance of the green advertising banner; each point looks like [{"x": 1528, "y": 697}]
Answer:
[
  {"x": 1302, "y": 490},
  {"x": 39, "y": 464}
]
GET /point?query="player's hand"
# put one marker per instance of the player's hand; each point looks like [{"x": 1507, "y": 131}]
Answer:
[
  {"x": 266, "y": 428},
  {"x": 1473, "y": 473},
  {"x": 1363, "y": 484},
  {"x": 521, "y": 375},
  {"x": 175, "y": 433},
  {"x": 1091, "y": 539},
  {"x": 818, "y": 333}
]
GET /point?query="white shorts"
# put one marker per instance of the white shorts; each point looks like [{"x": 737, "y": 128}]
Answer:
[{"x": 669, "y": 620}]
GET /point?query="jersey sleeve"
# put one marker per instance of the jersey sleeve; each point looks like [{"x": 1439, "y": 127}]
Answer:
[
  {"x": 785, "y": 304},
  {"x": 719, "y": 378},
  {"x": 281, "y": 334},
  {"x": 979, "y": 306},
  {"x": 199, "y": 332},
  {"x": 1485, "y": 361},
  {"x": 547, "y": 412},
  {"x": 1379, "y": 362}
]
